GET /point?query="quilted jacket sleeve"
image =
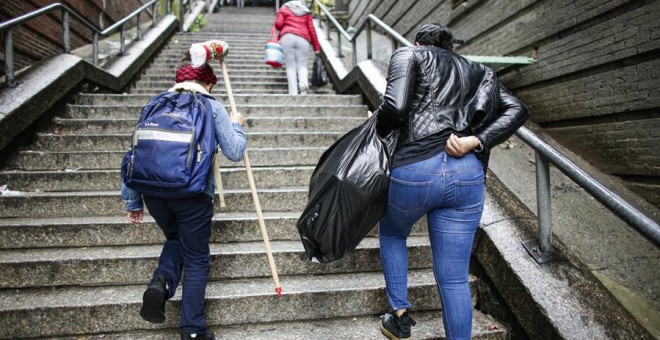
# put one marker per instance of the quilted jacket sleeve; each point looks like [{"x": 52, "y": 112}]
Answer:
[
  {"x": 511, "y": 115},
  {"x": 398, "y": 97}
]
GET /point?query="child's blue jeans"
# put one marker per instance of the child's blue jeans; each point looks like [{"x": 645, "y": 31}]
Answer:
[{"x": 186, "y": 223}]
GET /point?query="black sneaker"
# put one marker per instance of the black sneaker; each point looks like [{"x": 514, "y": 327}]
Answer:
[
  {"x": 208, "y": 335},
  {"x": 153, "y": 300},
  {"x": 396, "y": 327}
]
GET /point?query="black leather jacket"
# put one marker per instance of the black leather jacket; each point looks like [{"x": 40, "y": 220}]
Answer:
[{"x": 430, "y": 89}]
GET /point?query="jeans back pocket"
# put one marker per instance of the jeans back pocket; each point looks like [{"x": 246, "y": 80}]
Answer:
[
  {"x": 408, "y": 196},
  {"x": 469, "y": 195}
]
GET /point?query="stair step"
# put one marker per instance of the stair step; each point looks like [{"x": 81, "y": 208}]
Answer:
[
  {"x": 116, "y": 142},
  {"x": 257, "y": 124},
  {"x": 238, "y": 85},
  {"x": 251, "y": 91},
  {"x": 429, "y": 327},
  {"x": 255, "y": 56},
  {"x": 255, "y": 52},
  {"x": 240, "y": 99},
  {"x": 100, "y": 180},
  {"x": 28, "y": 268},
  {"x": 94, "y": 231},
  {"x": 88, "y": 310},
  {"x": 95, "y": 160},
  {"x": 234, "y": 42},
  {"x": 234, "y": 67},
  {"x": 254, "y": 65},
  {"x": 158, "y": 79},
  {"x": 169, "y": 74},
  {"x": 109, "y": 203},
  {"x": 249, "y": 111},
  {"x": 247, "y": 37},
  {"x": 98, "y": 231}
]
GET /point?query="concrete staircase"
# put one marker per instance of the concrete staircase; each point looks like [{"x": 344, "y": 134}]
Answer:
[{"x": 71, "y": 266}]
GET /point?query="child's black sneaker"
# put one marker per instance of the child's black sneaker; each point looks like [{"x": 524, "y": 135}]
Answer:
[
  {"x": 396, "y": 327},
  {"x": 153, "y": 300},
  {"x": 208, "y": 335}
]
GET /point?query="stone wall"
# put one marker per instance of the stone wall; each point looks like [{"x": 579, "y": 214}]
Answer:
[
  {"x": 41, "y": 37},
  {"x": 595, "y": 85}
]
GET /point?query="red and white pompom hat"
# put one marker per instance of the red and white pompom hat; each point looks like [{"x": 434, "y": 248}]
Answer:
[{"x": 201, "y": 53}]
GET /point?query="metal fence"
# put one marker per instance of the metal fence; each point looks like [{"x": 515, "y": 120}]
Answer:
[{"x": 7, "y": 26}]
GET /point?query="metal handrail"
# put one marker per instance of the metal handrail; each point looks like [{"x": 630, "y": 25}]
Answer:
[
  {"x": 542, "y": 249},
  {"x": 7, "y": 26},
  {"x": 614, "y": 202},
  {"x": 397, "y": 39}
]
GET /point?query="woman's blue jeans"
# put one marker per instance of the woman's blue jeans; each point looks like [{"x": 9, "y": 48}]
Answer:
[
  {"x": 450, "y": 192},
  {"x": 186, "y": 223}
]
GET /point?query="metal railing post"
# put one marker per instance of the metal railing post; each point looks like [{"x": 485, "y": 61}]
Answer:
[
  {"x": 181, "y": 15},
  {"x": 137, "y": 25},
  {"x": 65, "y": 31},
  {"x": 327, "y": 28},
  {"x": 154, "y": 15},
  {"x": 122, "y": 40},
  {"x": 354, "y": 47},
  {"x": 543, "y": 203},
  {"x": 9, "y": 59},
  {"x": 369, "y": 41},
  {"x": 339, "y": 44},
  {"x": 95, "y": 48},
  {"x": 541, "y": 248}
]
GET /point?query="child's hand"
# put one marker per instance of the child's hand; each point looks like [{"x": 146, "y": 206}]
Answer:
[
  {"x": 237, "y": 117},
  {"x": 136, "y": 216}
]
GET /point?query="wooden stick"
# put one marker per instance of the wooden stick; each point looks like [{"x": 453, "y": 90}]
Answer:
[
  {"x": 218, "y": 180},
  {"x": 253, "y": 188}
]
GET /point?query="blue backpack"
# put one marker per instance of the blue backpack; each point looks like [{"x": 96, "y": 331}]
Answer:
[{"x": 172, "y": 147}]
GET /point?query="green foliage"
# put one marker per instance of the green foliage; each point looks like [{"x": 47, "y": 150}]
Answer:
[{"x": 198, "y": 24}]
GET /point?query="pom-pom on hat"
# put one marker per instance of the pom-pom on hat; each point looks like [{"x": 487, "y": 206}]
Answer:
[{"x": 201, "y": 53}]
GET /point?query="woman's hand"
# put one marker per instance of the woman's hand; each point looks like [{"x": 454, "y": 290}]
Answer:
[
  {"x": 459, "y": 146},
  {"x": 136, "y": 216}
]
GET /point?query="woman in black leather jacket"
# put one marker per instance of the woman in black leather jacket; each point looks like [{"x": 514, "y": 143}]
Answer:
[{"x": 449, "y": 112}]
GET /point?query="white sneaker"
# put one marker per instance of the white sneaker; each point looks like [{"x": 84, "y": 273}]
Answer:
[{"x": 303, "y": 88}]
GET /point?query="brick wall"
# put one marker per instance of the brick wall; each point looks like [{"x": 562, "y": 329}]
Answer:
[
  {"x": 595, "y": 85},
  {"x": 41, "y": 37}
]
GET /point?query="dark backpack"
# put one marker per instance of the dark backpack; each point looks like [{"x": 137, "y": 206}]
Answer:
[
  {"x": 172, "y": 147},
  {"x": 319, "y": 78}
]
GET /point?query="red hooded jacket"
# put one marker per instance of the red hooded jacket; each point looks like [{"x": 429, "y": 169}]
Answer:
[{"x": 288, "y": 22}]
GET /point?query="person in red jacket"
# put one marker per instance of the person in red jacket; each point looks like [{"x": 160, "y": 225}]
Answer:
[{"x": 294, "y": 21}]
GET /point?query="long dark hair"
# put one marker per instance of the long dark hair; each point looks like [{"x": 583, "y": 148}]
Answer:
[{"x": 436, "y": 34}]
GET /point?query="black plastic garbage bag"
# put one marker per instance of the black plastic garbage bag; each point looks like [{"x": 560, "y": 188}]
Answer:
[
  {"x": 347, "y": 193},
  {"x": 319, "y": 78}
]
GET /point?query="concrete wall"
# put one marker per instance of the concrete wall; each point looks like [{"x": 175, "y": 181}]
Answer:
[
  {"x": 596, "y": 84},
  {"x": 41, "y": 37}
]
